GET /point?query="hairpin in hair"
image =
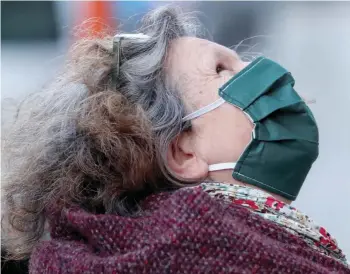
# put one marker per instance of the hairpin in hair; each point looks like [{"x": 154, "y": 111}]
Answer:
[{"x": 117, "y": 40}]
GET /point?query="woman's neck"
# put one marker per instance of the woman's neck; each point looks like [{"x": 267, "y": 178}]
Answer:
[
  {"x": 226, "y": 177},
  {"x": 278, "y": 197}
]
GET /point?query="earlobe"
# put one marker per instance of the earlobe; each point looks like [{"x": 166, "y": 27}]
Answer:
[{"x": 184, "y": 162}]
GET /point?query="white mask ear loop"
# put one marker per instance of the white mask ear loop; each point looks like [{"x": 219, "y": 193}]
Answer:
[
  {"x": 222, "y": 166},
  {"x": 203, "y": 110}
]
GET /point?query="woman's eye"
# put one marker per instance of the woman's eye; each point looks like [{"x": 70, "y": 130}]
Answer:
[{"x": 219, "y": 68}]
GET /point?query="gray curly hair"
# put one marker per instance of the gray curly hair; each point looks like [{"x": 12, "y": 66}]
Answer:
[{"x": 85, "y": 142}]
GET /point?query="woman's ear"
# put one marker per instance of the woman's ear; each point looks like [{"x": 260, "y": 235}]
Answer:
[{"x": 183, "y": 160}]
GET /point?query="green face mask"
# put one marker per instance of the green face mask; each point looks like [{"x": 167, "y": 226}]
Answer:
[{"x": 284, "y": 141}]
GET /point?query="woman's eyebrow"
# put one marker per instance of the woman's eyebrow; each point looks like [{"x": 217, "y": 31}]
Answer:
[
  {"x": 227, "y": 57},
  {"x": 234, "y": 54}
]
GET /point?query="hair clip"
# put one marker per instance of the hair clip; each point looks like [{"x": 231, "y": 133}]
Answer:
[{"x": 117, "y": 40}]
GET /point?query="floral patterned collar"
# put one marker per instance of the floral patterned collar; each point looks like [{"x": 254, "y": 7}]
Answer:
[{"x": 288, "y": 217}]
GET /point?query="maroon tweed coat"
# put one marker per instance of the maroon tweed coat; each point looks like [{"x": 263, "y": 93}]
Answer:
[{"x": 183, "y": 232}]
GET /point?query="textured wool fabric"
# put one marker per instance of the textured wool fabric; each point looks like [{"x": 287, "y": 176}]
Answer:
[{"x": 185, "y": 231}]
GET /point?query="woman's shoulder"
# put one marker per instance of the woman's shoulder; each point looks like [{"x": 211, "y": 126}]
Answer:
[{"x": 185, "y": 230}]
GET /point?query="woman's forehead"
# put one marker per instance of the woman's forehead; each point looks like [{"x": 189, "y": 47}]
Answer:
[
  {"x": 193, "y": 45},
  {"x": 187, "y": 51}
]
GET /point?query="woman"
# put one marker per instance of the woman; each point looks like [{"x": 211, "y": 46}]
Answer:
[{"x": 163, "y": 152}]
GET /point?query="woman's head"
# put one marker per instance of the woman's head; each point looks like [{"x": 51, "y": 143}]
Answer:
[{"x": 87, "y": 142}]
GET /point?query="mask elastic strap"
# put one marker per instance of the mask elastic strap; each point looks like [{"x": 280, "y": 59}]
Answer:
[
  {"x": 222, "y": 166},
  {"x": 204, "y": 110}
]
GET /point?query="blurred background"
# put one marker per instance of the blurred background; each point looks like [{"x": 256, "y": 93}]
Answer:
[{"x": 311, "y": 39}]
